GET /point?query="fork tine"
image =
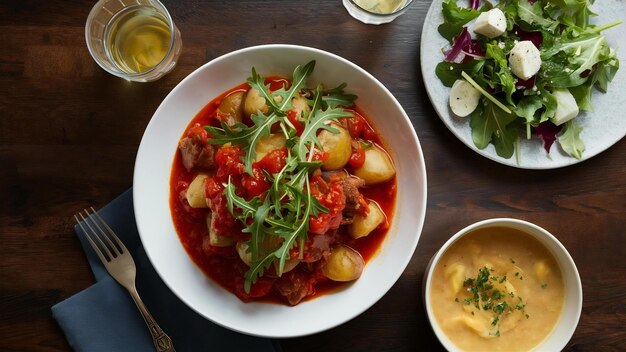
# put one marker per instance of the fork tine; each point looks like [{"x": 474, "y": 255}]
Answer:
[
  {"x": 95, "y": 234},
  {"x": 91, "y": 242},
  {"x": 117, "y": 240},
  {"x": 116, "y": 251}
]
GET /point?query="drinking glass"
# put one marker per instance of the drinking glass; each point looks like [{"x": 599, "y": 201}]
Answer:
[
  {"x": 109, "y": 17},
  {"x": 376, "y": 11}
]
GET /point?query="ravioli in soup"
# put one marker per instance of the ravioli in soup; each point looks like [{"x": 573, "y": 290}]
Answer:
[{"x": 497, "y": 289}]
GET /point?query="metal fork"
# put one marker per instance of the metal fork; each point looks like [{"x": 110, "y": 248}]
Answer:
[{"x": 121, "y": 266}]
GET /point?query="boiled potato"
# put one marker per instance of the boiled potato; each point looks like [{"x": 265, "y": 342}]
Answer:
[
  {"x": 216, "y": 239},
  {"x": 270, "y": 243},
  {"x": 254, "y": 102},
  {"x": 290, "y": 264},
  {"x": 343, "y": 264},
  {"x": 269, "y": 143},
  {"x": 300, "y": 105},
  {"x": 230, "y": 110},
  {"x": 455, "y": 273},
  {"x": 363, "y": 225},
  {"x": 377, "y": 167},
  {"x": 338, "y": 147},
  {"x": 195, "y": 193},
  {"x": 541, "y": 270},
  {"x": 242, "y": 250}
]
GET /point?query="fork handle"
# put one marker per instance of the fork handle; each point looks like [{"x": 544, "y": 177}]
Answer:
[{"x": 162, "y": 342}]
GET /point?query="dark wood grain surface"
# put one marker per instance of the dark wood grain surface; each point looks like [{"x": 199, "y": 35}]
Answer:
[{"x": 69, "y": 133}]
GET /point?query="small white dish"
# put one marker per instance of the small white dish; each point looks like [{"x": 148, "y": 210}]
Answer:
[
  {"x": 573, "y": 300},
  {"x": 364, "y": 14},
  {"x": 162, "y": 244},
  {"x": 602, "y": 128}
]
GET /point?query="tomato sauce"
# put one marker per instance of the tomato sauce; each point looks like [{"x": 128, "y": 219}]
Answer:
[{"x": 223, "y": 264}]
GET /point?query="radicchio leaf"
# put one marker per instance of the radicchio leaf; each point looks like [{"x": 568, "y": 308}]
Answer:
[
  {"x": 525, "y": 83},
  {"x": 464, "y": 49},
  {"x": 455, "y": 53},
  {"x": 474, "y": 4},
  {"x": 547, "y": 131},
  {"x": 535, "y": 37}
]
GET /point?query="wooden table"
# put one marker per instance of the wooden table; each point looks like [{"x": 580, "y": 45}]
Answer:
[{"x": 69, "y": 133}]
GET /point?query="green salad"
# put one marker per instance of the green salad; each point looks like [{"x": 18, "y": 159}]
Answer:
[{"x": 524, "y": 68}]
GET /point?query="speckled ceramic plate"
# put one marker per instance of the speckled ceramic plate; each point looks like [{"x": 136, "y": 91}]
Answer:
[{"x": 601, "y": 128}]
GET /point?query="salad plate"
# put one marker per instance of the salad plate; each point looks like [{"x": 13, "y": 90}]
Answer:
[{"x": 601, "y": 128}]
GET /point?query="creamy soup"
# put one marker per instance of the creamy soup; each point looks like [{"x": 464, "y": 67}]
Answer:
[{"x": 497, "y": 289}]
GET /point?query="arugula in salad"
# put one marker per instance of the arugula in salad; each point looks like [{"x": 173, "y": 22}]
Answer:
[{"x": 524, "y": 64}]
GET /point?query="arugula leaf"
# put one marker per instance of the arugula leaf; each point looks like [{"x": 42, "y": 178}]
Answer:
[
  {"x": 527, "y": 109},
  {"x": 533, "y": 15},
  {"x": 257, "y": 268},
  {"x": 570, "y": 140},
  {"x": 300, "y": 75},
  {"x": 319, "y": 119},
  {"x": 563, "y": 65},
  {"x": 455, "y": 18},
  {"x": 248, "y": 209},
  {"x": 570, "y": 12},
  {"x": 448, "y": 72},
  {"x": 503, "y": 72},
  {"x": 336, "y": 97},
  {"x": 490, "y": 123},
  {"x": 549, "y": 102},
  {"x": 509, "y": 8},
  {"x": 505, "y": 140},
  {"x": 599, "y": 78}
]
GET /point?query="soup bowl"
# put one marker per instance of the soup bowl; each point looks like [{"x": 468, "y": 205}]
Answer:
[
  {"x": 573, "y": 295},
  {"x": 151, "y": 193}
]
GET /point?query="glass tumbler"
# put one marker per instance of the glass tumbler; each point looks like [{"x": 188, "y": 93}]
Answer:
[
  {"x": 133, "y": 39},
  {"x": 376, "y": 11}
]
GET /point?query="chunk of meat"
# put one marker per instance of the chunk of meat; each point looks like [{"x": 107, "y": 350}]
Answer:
[
  {"x": 294, "y": 286},
  {"x": 316, "y": 247},
  {"x": 355, "y": 203},
  {"x": 195, "y": 150},
  {"x": 354, "y": 198}
]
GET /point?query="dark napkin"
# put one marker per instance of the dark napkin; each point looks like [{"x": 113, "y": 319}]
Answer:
[{"x": 103, "y": 317}]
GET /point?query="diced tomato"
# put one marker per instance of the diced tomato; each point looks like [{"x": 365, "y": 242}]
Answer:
[
  {"x": 357, "y": 158},
  {"x": 212, "y": 188},
  {"x": 260, "y": 288},
  {"x": 355, "y": 124},
  {"x": 197, "y": 131},
  {"x": 277, "y": 83},
  {"x": 229, "y": 161},
  {"x": 319, "y": 155},
  {"x": 292, "y": 116},
  {"x": 368, "y": 133},
  {"x": 274, "y": 161},
  {"x": 331, "y": 196},
  {"x": 256, "y": 184}
]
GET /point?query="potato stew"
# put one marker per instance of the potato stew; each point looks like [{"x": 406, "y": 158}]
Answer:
[{"x": 280, "y": 192}]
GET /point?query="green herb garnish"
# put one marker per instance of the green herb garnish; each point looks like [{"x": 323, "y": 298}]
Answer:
[{"x": 486, "y": 292}]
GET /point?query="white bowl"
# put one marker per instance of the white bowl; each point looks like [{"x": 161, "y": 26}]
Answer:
[
  {"x": 572, "y": 307},
  {"x": 151, "y": 193}
]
